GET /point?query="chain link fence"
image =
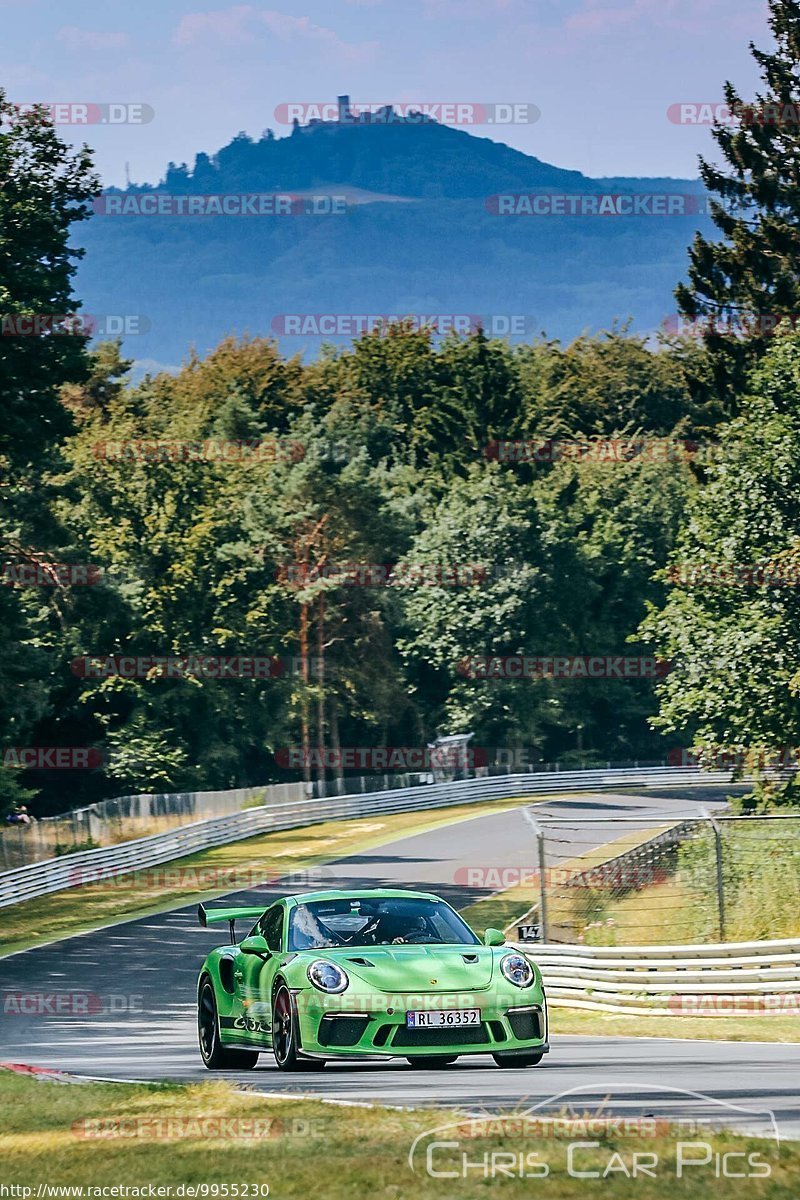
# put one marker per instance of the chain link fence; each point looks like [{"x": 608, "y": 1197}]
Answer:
[
  {"x": 126, "y": 818},
  {"x": 112, "y": 821},
  {"x": 622, "y": 881}
]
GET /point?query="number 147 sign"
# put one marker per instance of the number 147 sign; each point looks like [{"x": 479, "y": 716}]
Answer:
[{"x": 530, "y": 933}]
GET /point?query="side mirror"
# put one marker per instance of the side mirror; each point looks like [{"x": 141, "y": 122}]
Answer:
[
  {"x": 255, "y": 944},
  {"x": 494, "y": 937}
]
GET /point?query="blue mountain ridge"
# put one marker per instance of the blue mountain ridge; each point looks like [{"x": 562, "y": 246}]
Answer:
[{"x": 419, "y": 230}]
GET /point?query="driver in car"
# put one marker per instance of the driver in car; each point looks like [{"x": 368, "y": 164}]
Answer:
[{"x": 388, "y": 929}]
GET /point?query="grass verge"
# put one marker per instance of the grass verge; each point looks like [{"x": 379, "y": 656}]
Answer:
[
  {"x": 235, "y": 866},
  {"x": 755, "y": 1028},
  {"x": 300, "y": 1148}
]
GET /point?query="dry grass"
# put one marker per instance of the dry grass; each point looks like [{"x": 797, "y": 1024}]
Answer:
[
  {"x": 309, "y": 1149},
  {"x": 745, "y": 1028}
]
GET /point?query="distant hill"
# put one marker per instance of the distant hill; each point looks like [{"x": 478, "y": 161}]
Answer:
[{"x": 418, "y": 233}]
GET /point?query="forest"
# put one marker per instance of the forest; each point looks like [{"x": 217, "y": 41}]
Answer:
[{"x": 253, "y": 567}]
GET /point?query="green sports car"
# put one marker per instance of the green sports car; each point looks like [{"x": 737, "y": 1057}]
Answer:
[{"x": 364, "y": 975}]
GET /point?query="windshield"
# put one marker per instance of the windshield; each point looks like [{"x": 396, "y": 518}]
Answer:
[{"x": 377, "y": 922}]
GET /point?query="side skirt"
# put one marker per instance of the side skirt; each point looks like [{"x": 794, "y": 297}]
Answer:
[{"x": 252, "y": 1034}]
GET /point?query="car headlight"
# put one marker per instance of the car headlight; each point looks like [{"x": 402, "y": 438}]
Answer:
[
  {"x": 517, "y": 970},
  {"x": 327, "y": 976}
]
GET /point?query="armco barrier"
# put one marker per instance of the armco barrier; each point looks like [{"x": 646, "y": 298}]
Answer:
[
  {"x": 70, "y": 870},
  {"x": 718, "y": 979},
  {"x": 108, "y": 822},
  {"x": 127, "y": 817}
]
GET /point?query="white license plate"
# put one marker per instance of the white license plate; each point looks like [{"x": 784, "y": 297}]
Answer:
[{"x": 451, "y": 1018}]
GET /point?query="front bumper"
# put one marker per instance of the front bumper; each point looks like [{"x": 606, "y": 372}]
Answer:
[{"x": 508, "y": 1023}]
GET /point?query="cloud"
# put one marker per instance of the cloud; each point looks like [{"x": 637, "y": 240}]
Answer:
[
  {"x": 461, "y": 9},
  {"x": 597, "y": 17},
  {"x": 685, "y": 16},
  {"x": 229, "y": 25},
  {"x": 242, "y": 24},
  {"x": 91, "y": 39}
]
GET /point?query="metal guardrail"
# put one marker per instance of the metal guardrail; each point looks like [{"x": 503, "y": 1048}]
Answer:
[
  {"x": 72, "y": 870},
  {"x": 127, "y": 817},
  {"x": 718, "y": 979},
  {"x": 108, "y": 822}
]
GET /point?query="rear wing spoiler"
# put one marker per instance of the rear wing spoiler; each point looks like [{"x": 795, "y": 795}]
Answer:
[{"x": 212, "y": 916}]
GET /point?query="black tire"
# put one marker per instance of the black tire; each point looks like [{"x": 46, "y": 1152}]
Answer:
[
  {"x": 216, "y": 1056},
  {"x": 513, "y": 1058},
  {"x": 286, "y": 1035},
  {"x": 431, "y": 1062}
]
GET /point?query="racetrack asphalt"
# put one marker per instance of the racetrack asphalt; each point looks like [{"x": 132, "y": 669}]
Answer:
[{"x": 140, "y": 978}]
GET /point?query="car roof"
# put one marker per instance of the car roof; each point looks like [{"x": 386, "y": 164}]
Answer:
[{"x": 359, "y": 894}]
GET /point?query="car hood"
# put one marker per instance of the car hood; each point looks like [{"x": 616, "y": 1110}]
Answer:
[{"x": 415, "y": 968}]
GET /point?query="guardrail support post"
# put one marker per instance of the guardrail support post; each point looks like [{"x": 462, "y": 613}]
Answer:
[
  {"x": 720, "y": 875},
  {"x": 542, "y": 883}
]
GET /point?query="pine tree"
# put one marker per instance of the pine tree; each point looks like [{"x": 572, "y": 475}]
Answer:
[
  {"x": 44, "y": 190},
  {"x": 739, "y": 286}
]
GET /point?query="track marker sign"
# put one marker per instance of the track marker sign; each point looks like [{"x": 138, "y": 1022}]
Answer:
[{"x": 529, "y": 933}]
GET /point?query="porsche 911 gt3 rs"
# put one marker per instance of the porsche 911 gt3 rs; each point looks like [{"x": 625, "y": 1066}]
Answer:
[{"x": 365, "y": 975}]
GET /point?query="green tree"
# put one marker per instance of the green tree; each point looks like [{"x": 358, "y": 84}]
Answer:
[
  {"x": 607, "y": 527},
  {"x": 569, "y": 563},
  {"x": 378, "y": 459},
  {"x": 614, "y": 381},
  {"x": 754, "y": 272},
  {"x": 732, "y": 633},
  {"x": 484, "y": 526},
  {"x": 44, "y": 187}
]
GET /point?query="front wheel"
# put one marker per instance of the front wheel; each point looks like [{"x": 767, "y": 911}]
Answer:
[
  {"x": 432, "y": 1061},
  {"x": 286, "y": 1035},
  {"x": 510, "y": 1058},
  {"x": 216, "y": 1056}
]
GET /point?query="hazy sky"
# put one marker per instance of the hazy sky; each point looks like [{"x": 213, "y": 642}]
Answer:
[{"x": 602, "y": 72}]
